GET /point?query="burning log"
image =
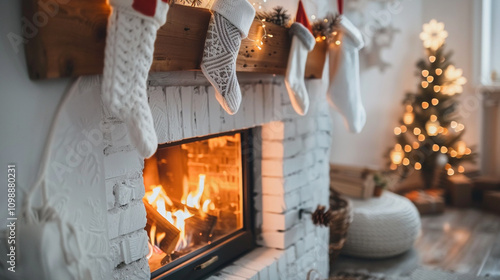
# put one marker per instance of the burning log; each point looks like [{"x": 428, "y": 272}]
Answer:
[
  {"x": 201, "y": 226},
  {"x": 172, "y": 234}
]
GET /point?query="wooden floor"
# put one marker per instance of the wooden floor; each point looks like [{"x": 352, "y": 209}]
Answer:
[{"x": 460, "y": 240}]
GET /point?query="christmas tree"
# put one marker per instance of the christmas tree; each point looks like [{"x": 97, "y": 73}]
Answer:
[{"x": 429, "y": 134}]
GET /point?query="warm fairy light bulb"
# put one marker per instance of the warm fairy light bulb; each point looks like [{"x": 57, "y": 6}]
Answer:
[
  {"x": 337, "y": 42},
  {"x": 323, "y": 38},
  {"x": 437, "y": 89},
  {"x": 433, "y": 118},
  {"x": 270, "y": 35},
  {"x": 444, "y": 150},
  {"x": 453, "y": 124},
  {"x": 435, "y": 101},
  {"x": 409, "y": 108},
  {"x": 425, "y": 84},
  {"x": 425, "y": 105},
  {"x": 439, "y": 71},
  {"x": 393, "y": 166},
  {"x": 318, "y": 39},
  {"x": 415, "y": 145},
  {"x": 440, "y": 130},
  {"x": 430, "y": 79},
  {"x": 460, "y": 127},
  {"x": 407, "y": 148},
  {"x": 461, "y": 169},
  {"x": 403, "y": 128},
  {"x": 325, "y": 20},
  {"x": 461, "y": 147},
  {"x": 397, "y": 156},
  {"x": 468, "y": 151},
  {"x": 418, "y": 166},
  {"x": 453, "y": 153},
  {"x": 417, "y": 131},
  {"x": 313, "y": 16},
  {"x": 432, "y": 127},
  {"x": 408, "y": 118},
  {"x": 432, "y": 58},
  {"x": 435, "y": 147},
  {"x": 421, "y": 137},
  {"x": 397, "y": 130},
  {"x": 450, "y": 172},
  {"x": 406, "y": 161},
  {"x": 447, "y": 166},
  {"x": 425, "y": 73}
]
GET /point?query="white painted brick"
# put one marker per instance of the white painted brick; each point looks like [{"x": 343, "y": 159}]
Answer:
[
  {"x": 158, "y": 105},
  {"x": 300, "y": 247},
  {"x": 258, "y": 98},
  {"x": 273, "y": 222},
  {"x": 324, "y": 123},
  {"x": 225, "y": 276},
  {"x": 118, "y": 164},
  {"x": 174, "y": 113},
  {"x": 273, "y": 271},
  {"x": 278, "y": 130},
  {"x": 215, "y": 277},
  {"x": 305, "y": 125},
  {"x": 310, "y": 142},
  {"x": 240, "y": 271},
  {"x": 129, "y": 248},
  {"x": 247, "y": 105},
  {"x": 281, "y": 149},
  {"x": 281, "y": 240},
  {"x": 306, "y": 193},
  {"x": 128, "y": 190},
  {"x": 282, "y": 203},
  {"x": 290, "y": 255},
  {"x": 310, "y": 240},
  {"x": 200, "y": 118},
  {"x": 268, "y": 102},
  {"x": 126, "y": 219},
  {"x": 110, "y": 197},
  {"x": 283, "y": 168},
  {"x": 254, "y": 264},
  {"x": 117, "y": 135},
  {"x": 282, "y": 267},
  {"x": 278, "y": 91},
  {"x": 187, "y": 113},
  {"x": 279, "y": 186},
  {"x": 323, "y": 140},
  {"x": 135, "y": 270},
  {"x": 133, "y": 217}
]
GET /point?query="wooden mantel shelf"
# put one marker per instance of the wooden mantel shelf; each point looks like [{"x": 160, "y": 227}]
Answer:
[{"x": 72, "y": 42}]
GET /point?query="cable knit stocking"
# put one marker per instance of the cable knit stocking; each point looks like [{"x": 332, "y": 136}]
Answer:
[
  {"x": 229, "y": 24},
  {"x": 131, "y": 34}
]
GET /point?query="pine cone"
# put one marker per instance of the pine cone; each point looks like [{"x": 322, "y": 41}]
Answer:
[{"x": 322, "y": 216}]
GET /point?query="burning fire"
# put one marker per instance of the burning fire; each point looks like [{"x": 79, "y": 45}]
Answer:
[{"x": 177, "y": 214}]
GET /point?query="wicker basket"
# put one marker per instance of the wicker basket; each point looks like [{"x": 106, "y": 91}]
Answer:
[{"x": 342, "y": 218}]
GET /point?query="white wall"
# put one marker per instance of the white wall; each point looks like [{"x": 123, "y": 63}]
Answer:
[
  {"x": 26, "y": 109},
  {"x": 383, "y": 92}
]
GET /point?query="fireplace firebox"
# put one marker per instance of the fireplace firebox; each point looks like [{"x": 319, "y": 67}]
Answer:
[{"x": 198, "y": 204}]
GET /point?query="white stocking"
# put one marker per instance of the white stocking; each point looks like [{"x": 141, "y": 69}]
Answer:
[
  {"x": 302, "y": 43},
  {"x": 344, "y": 89}
]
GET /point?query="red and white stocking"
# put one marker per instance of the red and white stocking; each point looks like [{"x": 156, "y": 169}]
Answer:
[{"x": 131, "y": 34}]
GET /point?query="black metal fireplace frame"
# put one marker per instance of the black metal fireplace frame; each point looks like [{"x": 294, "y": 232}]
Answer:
[{"x": 206, "y": 260}]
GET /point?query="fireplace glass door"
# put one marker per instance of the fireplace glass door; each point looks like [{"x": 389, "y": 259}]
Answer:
[{"x": 196, "y": 195}]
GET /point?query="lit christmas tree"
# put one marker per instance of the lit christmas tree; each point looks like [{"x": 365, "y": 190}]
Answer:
[{"x": 429, "y": 134}]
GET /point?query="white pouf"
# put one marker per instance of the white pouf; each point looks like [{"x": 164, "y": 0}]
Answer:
[{"x": 382, "y": 227}]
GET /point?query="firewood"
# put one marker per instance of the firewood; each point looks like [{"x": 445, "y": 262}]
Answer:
[
  {"x": 201, "y": 226},
  {"x": 172, "y": 234}
]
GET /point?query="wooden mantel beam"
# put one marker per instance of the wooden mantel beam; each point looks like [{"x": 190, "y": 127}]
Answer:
[{"x": 71, "y": 42}]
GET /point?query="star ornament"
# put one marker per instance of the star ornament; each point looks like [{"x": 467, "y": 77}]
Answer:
[
  {"x": 454, "y": 81},
  {"x": 433, "y": 35}
]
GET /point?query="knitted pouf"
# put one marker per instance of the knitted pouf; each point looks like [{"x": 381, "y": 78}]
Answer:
[{"x": 382, "y": 227}]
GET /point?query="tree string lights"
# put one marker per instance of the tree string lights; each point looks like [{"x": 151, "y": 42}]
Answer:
[{"x": 428, "y": 136}]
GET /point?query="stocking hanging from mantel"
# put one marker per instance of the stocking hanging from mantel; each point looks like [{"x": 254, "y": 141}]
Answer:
[
  {"x": 302, "y": 43},
  {"x": 230, "y": 22},
  {"x": 131, "y": 34},
  {"x": 344, "y": 91}
]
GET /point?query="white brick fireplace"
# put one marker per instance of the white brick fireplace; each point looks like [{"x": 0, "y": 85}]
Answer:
[{"x": 290, "y": 173}]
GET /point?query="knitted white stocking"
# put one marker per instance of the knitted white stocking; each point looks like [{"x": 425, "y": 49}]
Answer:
[
  {"x": 229, "y": 24},
  {"x": 131, "y": 34},
  {"x": 302, "y": 43},
  {"x": 344, "y": 89}
]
